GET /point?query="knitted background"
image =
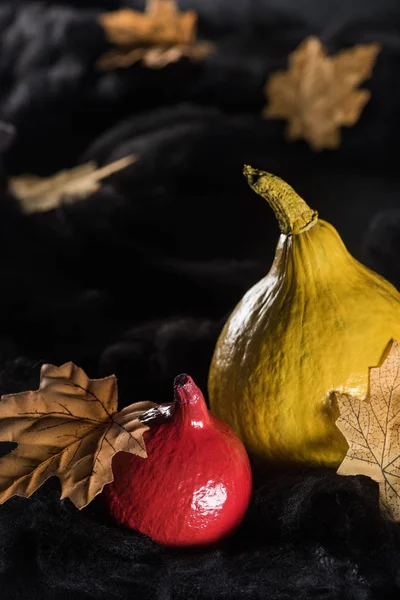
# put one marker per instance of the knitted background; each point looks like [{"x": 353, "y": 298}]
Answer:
[{"x": 138, "y": 279}]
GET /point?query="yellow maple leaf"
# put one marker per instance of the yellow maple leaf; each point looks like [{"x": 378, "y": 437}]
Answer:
[
  {"x": 317, "y": 94},
  {"x": 161, "y": 24},
  {"x": 39, "y": 194},
  {"x": 157, "y": 37},
  {"x": 371, "y": 428},
  {"x": 70, "y": 428}
]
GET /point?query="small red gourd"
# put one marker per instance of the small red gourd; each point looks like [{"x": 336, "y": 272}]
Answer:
[{"x": 194, "y": 487}]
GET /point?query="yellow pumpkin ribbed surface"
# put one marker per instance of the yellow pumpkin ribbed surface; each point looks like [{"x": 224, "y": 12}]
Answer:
[{"x": 313, "y": 325}]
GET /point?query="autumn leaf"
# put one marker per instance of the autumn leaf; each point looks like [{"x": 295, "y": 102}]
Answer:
[
  {"x": 39, "y": 194},
  {"x": 371, "y": 428},
  {"x": 317, "y": 94},
  {"x": 70, "y": 428},
  {"x": 161, "y": 24},
  {"x": 157, "y": 37}
]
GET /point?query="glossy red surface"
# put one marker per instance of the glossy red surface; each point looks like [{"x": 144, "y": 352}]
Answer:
[{"x": 194, "y": 487}]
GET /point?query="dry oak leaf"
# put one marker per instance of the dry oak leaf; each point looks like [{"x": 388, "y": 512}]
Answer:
[
  {"x": 317, "y": 94},
  {"x": 39, "y": 194},
  {"x": 70, "y": 428},
  {"x": 372, "y": 427},
  {"x": 157, "y": 37}
]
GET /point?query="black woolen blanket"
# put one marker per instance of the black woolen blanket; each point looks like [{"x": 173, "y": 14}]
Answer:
[{"x": 138, "y": 279}]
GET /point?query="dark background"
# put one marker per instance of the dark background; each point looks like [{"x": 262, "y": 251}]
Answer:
[{"x": 139, "y": 278}]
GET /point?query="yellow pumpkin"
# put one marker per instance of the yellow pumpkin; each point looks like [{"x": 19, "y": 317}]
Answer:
[{"x": 313, "y": 325}]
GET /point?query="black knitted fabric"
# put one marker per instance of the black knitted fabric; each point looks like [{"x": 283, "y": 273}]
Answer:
[{"x": 138, "y": 278}]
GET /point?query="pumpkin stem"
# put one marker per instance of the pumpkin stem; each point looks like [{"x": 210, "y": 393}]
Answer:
[
  {"x": 293, "y": 214},
  {"x": 191, "y": 407}
]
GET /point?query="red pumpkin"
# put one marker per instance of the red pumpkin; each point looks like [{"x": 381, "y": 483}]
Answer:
[{"x": 194, "y": 487}]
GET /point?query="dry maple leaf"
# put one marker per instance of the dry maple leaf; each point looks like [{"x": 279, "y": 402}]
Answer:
[
  {"x": 159, "y": 36},
  {"x": 371, "y": 428},
  {"x": 69, "y": 427},
  {"x": 39, "y": 194},
  {"x": 161, "y": 24},
  {"x": 318, "y": 94}
]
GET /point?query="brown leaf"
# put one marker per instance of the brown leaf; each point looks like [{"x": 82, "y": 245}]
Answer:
[
  {"x": 371, "y": 428},
  {"x": 159, "y": 36},
  {"x": 39, "y": 194},
  {"x": 317, "y": 94},
  {"x": 161, "y": 24},
  {"x": 70, "y": 428}
]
